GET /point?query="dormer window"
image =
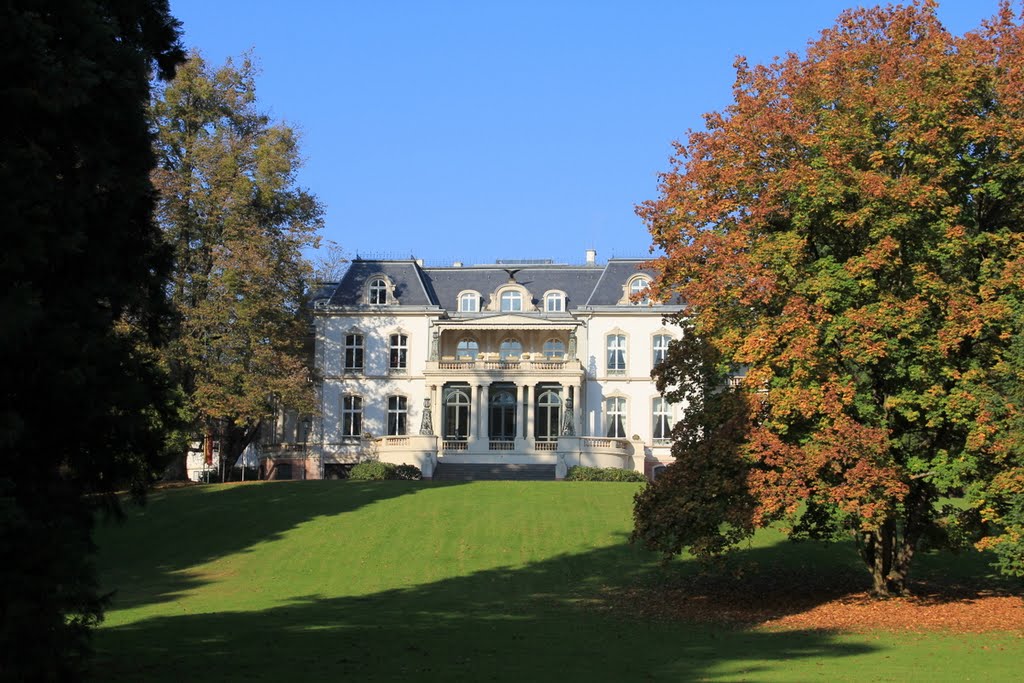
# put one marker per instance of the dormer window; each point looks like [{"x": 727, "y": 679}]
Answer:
[
  {"x": 554, "y": 302},
  {"x": 377, "y": 292},
  {"x": 637, "y": 288},
  {"x": 510, "y": 297},
  {"x": 511, "y": 301},
  {"x": 469, "y": 302}
]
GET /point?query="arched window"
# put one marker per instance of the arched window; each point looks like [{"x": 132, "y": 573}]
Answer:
[
  {"x": 456, "y": 415},
  {"x": 351, "y": 416},
  {"x": 637, "y": 286},
  {"x": 616, "y": 354},
  {"x": 398, "y": 413},
  {"x": 662, "y": 413},
  {"x": 554, "y": 349},
  {"x": 502, "y": 417},
  {"x": 549, "y": 415},
  {"x": 377, "y": 292},
  {"x": 469, "y": 302},
  {"x": 615, "y": 416},
  {"x": 510, "y": 349},
  {"x": 660, "y": 349},
  {"x": 467, "y": 349},
  {"x": 511, "y": 300}
]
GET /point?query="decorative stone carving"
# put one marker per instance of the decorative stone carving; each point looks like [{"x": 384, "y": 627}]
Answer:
[
  {"x": 427, "y": 423},
  {"x": 568, "y": 420}
]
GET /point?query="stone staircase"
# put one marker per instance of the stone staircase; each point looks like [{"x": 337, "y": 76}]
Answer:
[{"x": 493, "y": 472}]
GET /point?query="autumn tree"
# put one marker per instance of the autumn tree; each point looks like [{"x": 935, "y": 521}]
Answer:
[
  {"x": 83, "y": 406},
  {"x": 238, "y": 223},
  {"x": 847, "y": 235}
]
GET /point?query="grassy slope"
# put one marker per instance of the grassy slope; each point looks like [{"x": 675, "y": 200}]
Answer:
[{"x": 482, "y": 581}]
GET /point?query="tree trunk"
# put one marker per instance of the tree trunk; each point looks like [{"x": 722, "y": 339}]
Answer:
[
  {"x": 236, "y": 438},
  {"x": 888, "y": 550}
]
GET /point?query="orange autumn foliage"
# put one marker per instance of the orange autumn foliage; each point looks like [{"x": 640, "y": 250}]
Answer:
[{"x": 848, "y": 232}]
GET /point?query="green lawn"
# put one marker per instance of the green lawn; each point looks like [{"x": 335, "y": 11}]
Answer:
[{"x": 484, "y": 581}]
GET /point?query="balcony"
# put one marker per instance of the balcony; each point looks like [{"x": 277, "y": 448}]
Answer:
[{"x": 491, "y": 364}]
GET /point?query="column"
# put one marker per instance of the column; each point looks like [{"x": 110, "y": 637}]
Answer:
[
  {"x": 579, "y": 407},
  {"x": 523, "y": 404},
  {"x": 436, "y": 411},
  {"x": 483, "y": 414},
  {"x": 531, "y": 418}
]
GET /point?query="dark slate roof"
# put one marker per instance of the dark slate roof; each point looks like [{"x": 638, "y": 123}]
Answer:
[
  {"x": 588, "y": 285},
  {"x": 323, "y": 291},
  {"x": 576, "y": 281},
  {"x": 616, "y": 273},
  {"x": 405, "y": 275}
]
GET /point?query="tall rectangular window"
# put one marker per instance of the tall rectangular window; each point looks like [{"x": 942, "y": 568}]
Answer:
[
  {"x": 660, "y": 349},
  {"x": 397, "y": 415},
  {"x": 662, "y": 413},
  {"x": 353, "y": 356},
  {"x": 616, "y": 354},
  {"x": 351, "y": 416},
  {"x": 615, "y": 415},
  {"x": 398, "y": 351}
]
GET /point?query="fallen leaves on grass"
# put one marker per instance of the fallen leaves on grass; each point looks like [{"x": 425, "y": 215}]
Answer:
[{"x": 837, "y": 603}]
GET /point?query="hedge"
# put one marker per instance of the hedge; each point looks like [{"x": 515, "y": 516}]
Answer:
[
  {"x": 375, "y": 470},
  {"x": 581, "y": 473}
]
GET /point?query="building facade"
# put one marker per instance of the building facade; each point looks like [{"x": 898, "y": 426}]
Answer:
[{"x": 516, "y": 362}]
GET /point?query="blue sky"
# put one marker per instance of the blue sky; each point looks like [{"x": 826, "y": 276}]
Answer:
[{"x": 480, "y": 130}]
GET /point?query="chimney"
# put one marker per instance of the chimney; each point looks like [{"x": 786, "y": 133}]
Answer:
[{"x": 591, "y": 257}]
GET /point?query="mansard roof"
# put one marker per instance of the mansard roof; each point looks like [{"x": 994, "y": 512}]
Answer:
[
  {"x": 584, "y": 286},
  {"x": 404, "y": 275},
  {"x": 617, "y": 272},
  {"x": 576, "y": 281}
]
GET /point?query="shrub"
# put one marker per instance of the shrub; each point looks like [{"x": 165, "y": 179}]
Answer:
[
  {"x": 410, "y": 472},
  {"x": 581, "y": 473},
  {"x": 374, "y": 470}
]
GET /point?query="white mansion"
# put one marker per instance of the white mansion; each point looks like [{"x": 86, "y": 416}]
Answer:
[{"x": 526, "y": 362}]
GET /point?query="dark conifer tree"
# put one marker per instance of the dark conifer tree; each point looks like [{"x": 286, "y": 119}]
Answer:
[{"x": 83, "y": 299}]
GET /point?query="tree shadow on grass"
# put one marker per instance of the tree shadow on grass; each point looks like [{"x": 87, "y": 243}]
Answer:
[
  {"x": 556, "y": 619},
  {"x": 568, "y": 617},
  {"x": 754, "y": 586},
  {"x": 189, "y": 527}
]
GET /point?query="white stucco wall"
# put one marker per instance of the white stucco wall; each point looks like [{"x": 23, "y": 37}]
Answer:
[
  {"x": 376, "y": 382},
  {"x": 639, "y": 326}
]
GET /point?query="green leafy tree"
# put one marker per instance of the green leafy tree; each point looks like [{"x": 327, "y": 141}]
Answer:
[
  {"x": 238, "y": 224},
  {"x": 848, "y": 233},
  {"x": 84, "y": 405}
]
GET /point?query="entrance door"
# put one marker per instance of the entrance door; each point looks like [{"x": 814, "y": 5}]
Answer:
[
  {"x": 549, "y": 415},
  {"x": 456, "y": 415},
  {"x": 502, "y": 418}
]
